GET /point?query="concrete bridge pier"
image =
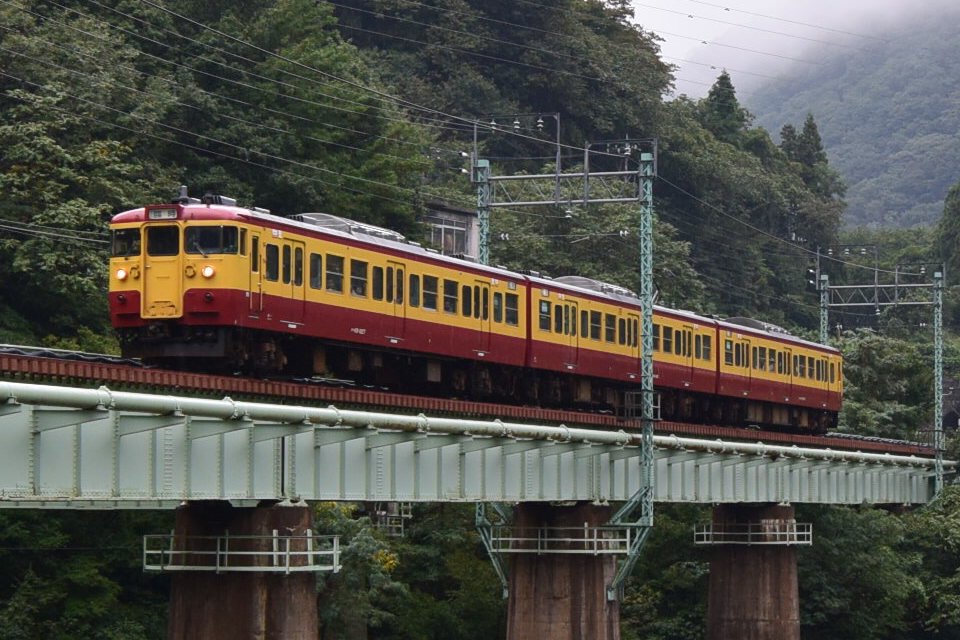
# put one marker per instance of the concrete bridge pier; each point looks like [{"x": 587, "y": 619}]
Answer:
[
  {"x": 240, "y": 604},
  {"x": 561, "y": 596},
  {"x": 753, "y": 572}
]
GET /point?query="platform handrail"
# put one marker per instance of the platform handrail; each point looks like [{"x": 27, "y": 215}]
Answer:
[{"x": 242, "y": 553}]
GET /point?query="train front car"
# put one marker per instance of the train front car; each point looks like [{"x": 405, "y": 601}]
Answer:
[{"x": 178, "y": 279}]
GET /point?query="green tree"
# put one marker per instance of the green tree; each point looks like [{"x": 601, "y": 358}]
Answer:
[{"x": 721, "y": 113}]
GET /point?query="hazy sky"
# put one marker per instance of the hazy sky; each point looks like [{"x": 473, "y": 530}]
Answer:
[{"x": 757, "y": 38}]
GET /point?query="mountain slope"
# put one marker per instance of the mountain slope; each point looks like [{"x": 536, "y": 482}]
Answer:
[{"x": 889, "y": 116}]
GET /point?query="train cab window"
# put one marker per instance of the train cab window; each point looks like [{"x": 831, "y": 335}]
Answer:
[
  {"x": 544, "y": 315},
  {"x": 584, "y": 324},
  {"x": 255, "y": 255},
  {"x": 498, "y": 307},
  {"x": 668, "y": 339},
  {"x": 358, "y": 277},
  {"x": 414, "y": 290},
  {"x": 610, "y": 327},
  {"x": 558, "y": 319},
  {"x": 656, "y": 337},
  {"x": 511, "y": 308},
  {"x": 389, "y": 281},
  {"x": 125, "y": 243},
  {"x": 398, "y": 292},
  {"x": 728, "y": 352},
  {"x": 376, "y": 283},
  {"x": 298, "y": 267},
  {"x": 622, "y": 331},
  {"x": 430, "y": 285},
  {"x": 707, "y": 348},
  {"x": 450, "y": 296},
  {"x": 467, "y": 302},
  {"x": 316, "y": 271},
  {"x": 285, "y": 267},
  {"x": 594, "y": 325},
  {"x": 210, "y": 240},
  {"x": 272, "y": 253},
  {"x": 335, "y": 274},
  {"x": 163, "y": 241}
]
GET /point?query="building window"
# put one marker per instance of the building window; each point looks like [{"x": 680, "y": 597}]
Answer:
[{"x": 448, "y": 234}]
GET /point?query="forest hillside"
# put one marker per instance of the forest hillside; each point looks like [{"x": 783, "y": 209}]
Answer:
[{"x": 889, "y": 116}]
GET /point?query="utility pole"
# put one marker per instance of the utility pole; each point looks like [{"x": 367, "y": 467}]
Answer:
[
  {"x": 897, "y": 294},
  {"x": 597, "y": 186}
]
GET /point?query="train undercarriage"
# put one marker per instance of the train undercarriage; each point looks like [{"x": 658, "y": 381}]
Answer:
[{"x": 258, "y": 353}]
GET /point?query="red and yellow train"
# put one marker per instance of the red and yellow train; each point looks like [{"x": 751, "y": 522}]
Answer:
[{"x": 212, "y": 286}]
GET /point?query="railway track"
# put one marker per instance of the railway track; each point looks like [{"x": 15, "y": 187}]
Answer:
[{"x": 71, "y": 368}]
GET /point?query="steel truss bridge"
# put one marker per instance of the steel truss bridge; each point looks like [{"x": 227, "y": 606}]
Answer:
[{"x": 75, "y": 448}]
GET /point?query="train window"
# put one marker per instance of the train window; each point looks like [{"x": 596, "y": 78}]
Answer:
[
  {"x": 610, "y": 327},
  {"x": 629, "y": 339},
  {"x": 687, "y": 344},
  {"x": 389, "y": 283},
  {"x": 398, "y": 293},
  {"x": 430, "y": 286},
  {"x": 738, "y": 354},
  {"x": 512, "y": 307},
  {"x": 698, "y": 347},
  {"x": 126, "y": 242},
  {"x": 298, "y": 267},
  {"x": 810, "y": 367},
  {"x": 316, "y": 271},
  {"x": 414, "y": 290},
  {"x": 833, "y": 373},
  {"x": 358, "y": 277},
  {"x": 573, "y": 321},
  {"x": 209, "y": 240},
  {"x": 163, "y": 241},
  {"x": 544, "y": 315},
  {"x": 763, "y": 359},
  {"x": 335, "y": 274},
  {"x": 796, "y": 366},
  {"x": 376, "y": 283},
  {"x": 622, "y": 331},
  {"x": 728, "y": 352},
  {"x": 707, "y": 348},
  {"x": 255, "y": 255},
  {"x": 467, "y": 302},
  {"x": 285, "y": 268},
  {"x": 243, "y": 242},
  {"x": 780, "y": 356},
  {"x": 450, "y": 296},
  {"x": 772, "y": 360},
  {"x": 636, "y": 331},
  {"x": 498, "y": 307},
  {"x": 803, "y": 366},
  {"x": 558, "y": 319},
  {"x": 477, "y": 310},
  {"x": 656, "y": 337},
  {"x": 584, "y": 324},
  {"x": 594, "y": 325},
  {"x": 272, "y": 252},
  {"x": 668, "y": 339}
]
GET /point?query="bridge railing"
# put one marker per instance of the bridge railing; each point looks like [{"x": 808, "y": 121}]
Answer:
[
  {"x": 776, "y": 532},
  {"x": 242, "y": 553},
  {"x": 589, "y": 540}
]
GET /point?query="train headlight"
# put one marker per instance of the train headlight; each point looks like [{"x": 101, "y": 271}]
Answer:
[
  {"x": 121, "y": 274},
  {"x": 207, "y": 271}
]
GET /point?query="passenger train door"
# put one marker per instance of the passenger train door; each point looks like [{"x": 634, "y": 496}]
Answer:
[
  {"x": 571, "y": 356},
  {"x": 684, "y": 343},
  {"x": 163, "y": 273},
  {"x": 481, "y": 313},
  {"x": 292, "y": 277},
  {"x": 256, "y": 274},
  {"x": 396, "y": 295}
]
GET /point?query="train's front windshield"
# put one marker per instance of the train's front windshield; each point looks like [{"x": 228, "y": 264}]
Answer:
[
  {"x": 210, "y": 240},
  {"x": 125, "y": 242}
]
